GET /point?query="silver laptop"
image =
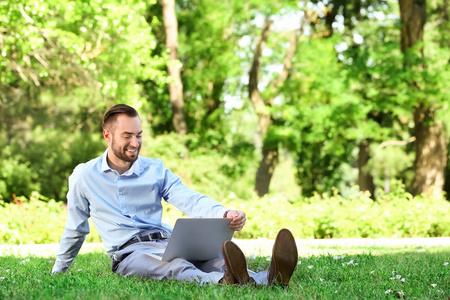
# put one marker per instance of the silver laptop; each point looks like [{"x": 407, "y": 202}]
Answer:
[{"x": 195, "y": 239}]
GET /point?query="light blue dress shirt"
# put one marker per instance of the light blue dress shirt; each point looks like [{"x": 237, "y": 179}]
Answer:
[{"x": 122, "y": 206}]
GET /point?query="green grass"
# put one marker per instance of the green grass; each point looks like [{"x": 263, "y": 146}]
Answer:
[{"x": 382, "y": 273}]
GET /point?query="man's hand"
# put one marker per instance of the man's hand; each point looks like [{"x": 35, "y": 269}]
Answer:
[{"x": 237, "y": 219}]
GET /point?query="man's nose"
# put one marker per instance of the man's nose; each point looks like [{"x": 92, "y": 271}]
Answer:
[{"x": 134, "y": 142}]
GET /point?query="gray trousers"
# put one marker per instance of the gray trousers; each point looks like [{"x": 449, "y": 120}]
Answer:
[{"x": 130, "y": 261}]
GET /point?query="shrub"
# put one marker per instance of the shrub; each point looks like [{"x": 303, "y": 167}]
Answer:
[
  {"x": 16, "y": 177},
  {"x": 37, "y": 220},
  {"x": 397, "y": 215},
  {"x": 402, "y": 216}
]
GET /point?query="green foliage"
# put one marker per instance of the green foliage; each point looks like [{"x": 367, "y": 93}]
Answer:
[
  {"x": 37, "y": 220},
  {"x": 389, "y": 163},
  {"x": 215, "y": 173},
  {"x": 16, "y": 177},
  {"x": 34, "y": 221},
  {"x": 45, "y": 164},
  {"x": 394, "y": 215},
  {"x": 391, "y": 83},
  {"x": 331, "y": 216},
  {"x": 320, "y": 123},
  {"x": 63, "y": 63}
]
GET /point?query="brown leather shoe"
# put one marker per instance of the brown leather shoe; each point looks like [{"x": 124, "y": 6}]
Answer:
[
  {"x": 284, "y": 259},
  {"x": 236, "y": 265}
]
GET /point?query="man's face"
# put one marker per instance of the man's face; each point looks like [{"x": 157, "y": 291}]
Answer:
[{"x": 125, "y": 138}]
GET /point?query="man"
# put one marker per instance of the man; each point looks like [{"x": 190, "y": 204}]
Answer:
[{"x": 122, "y": 192}]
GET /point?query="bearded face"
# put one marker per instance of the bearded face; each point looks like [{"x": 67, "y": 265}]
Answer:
[
  {"x": 128, "y": 152},
  {"x": 124, "y": 139}
]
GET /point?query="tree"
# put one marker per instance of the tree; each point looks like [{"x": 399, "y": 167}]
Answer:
[
  {"x": 353, "y": 21},
  {"x": 173, "y": 66},
  {"x": 431, "y": 148},
  {"x": 262, "y": 106},
  {"x": 392, "y": 89},
  {"x": 63, "y": 63}
]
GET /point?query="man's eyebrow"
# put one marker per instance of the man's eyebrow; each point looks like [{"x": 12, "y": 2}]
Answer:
[{"x": 127, "y": 132}]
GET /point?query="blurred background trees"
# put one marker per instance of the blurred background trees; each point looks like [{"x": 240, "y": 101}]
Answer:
[{"x": 349, "y": 93}]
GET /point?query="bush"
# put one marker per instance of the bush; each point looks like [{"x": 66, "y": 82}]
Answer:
[
  {"x": 16, "y": 178},
  {"x": 37, "y": 220},
  {"x": 40, "y": 220},
  {"x": 399, "y": 216}
]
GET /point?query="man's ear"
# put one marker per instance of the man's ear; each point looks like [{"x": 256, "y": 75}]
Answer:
[{"x": 107, "y": 135}]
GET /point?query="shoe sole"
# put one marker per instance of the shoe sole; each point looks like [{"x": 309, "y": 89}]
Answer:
[
  {"x": 285, "y": 264},
  {"x": 237, "y": 269}
]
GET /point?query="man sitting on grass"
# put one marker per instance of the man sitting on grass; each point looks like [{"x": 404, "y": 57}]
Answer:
[{"x": 122, "y": 192}]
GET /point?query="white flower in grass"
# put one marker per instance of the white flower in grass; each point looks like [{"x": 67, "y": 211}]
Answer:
[
  {"x": 252, "y": 256},
  {"x": 24, "y": 261},
  {"x": 388, "y": 291},
  {"x": 321, "y": 279},
  {"x": 434, "y": 285},
  {"x": 399, "y": 277},
  {"x": 299, "y": 262},
  {"x": 310, "y": 267},
  {"x": 1, "y": 278},
  {"x": 7, "y": 270},
  {"x": 268, "y": 259},
  {"x": 446, "y": 264},
  {"x": 350, "y": 262},
  {"x": 372, "y": 272},
  {"x": 338, "y": 257}
]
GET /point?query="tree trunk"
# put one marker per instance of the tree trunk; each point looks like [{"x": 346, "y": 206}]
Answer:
[
  {"x": 413, "y": 14},
  {"x": 173, "y": 66},
  {"x": 269, "y": 152},
  {"x": 365, "y": 180},
  {"x": 264, "y": 118},
  {"x": 265, "y": 171},
  {"x": 431, "y": 151}
]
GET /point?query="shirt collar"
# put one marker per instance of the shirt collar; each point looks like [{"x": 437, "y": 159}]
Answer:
[{"x": 135, "y": 167}]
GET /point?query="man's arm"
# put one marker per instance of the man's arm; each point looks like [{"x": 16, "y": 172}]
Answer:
[
  {"x": 77, "y": 225},
  {"x": 195, "y": 204},
  {"x": 188, "y": 201},
  {"x": 69, "y": 246}
]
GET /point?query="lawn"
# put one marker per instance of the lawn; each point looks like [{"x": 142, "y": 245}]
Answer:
[{"x": 385, "y": 272}]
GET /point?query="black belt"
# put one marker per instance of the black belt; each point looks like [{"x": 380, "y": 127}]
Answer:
[{"x": 146, "y": 238}]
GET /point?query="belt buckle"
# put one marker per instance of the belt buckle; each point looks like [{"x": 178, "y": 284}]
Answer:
[{"x": 154, "y": 236}]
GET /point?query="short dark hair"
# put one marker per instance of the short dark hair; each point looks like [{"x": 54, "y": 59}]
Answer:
[{"x": 116, "y": 110}]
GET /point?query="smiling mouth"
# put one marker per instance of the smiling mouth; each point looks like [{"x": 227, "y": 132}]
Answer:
[{"x": 132, "y": 151}]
